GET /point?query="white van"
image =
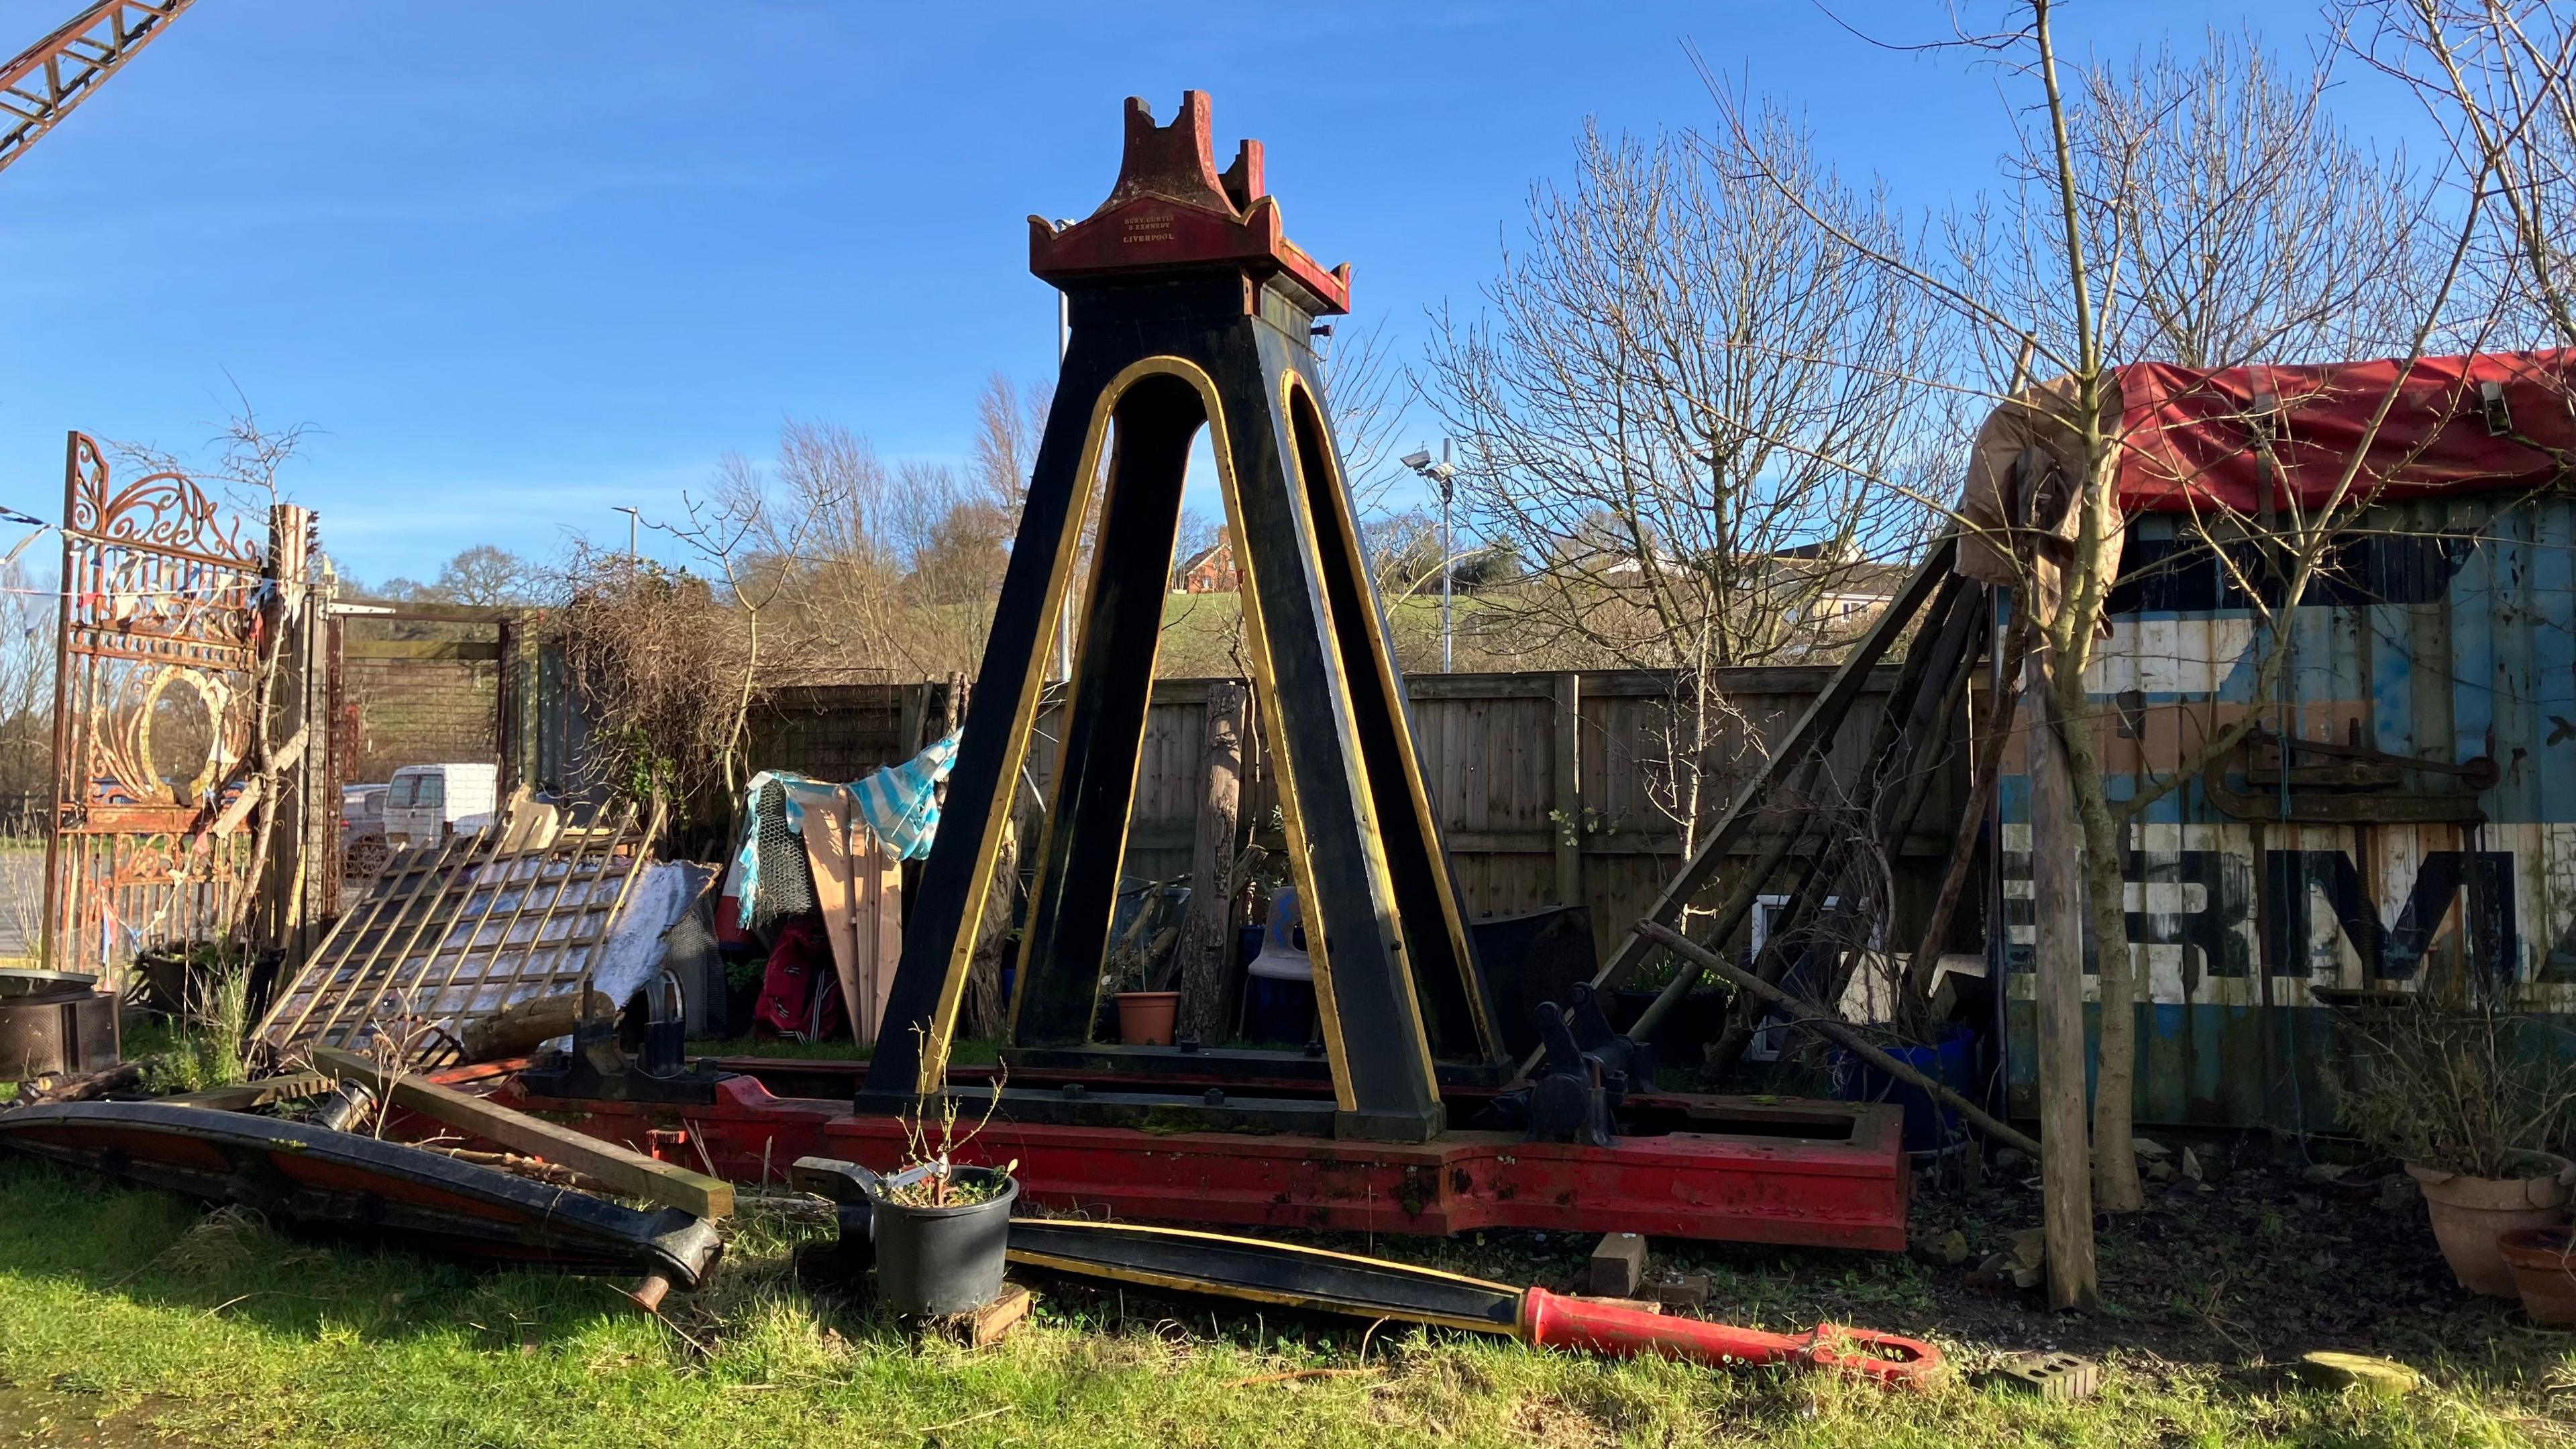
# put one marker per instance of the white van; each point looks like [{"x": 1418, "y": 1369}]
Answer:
[{"x": 427, "y": 803}]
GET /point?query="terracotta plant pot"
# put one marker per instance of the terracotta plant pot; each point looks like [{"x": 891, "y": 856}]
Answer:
[
  {"x": 2543, "y": 1261},
  {"x": 2470, "y": 1213},
  {"x": 1145, "y": 1017}
]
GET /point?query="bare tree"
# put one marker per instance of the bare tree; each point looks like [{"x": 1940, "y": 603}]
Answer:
[
  {"x": 742, "y": 536},
  {"x": 26, "y": 682},
  {"x": 1008, "y": 421},
  {"x": 887, "y": 570},
  {"x": 486, "y": 576},
  {"x": 654, "y": 652},
  {"x": 1365, "y": 389},
  {"x": 1673, "y": 412},
  {"x": 2498, "y": 77},
  {"x": 826, "y": 564},
  {"x": 2102, "y": 240},
  {"x": 2252, "y": 227},
  {"x": 2185, "y": 240}
]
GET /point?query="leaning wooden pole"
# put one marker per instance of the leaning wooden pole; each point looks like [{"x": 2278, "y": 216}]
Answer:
[
  {"x": 1813, "y": 731},
  {"x": 1989, "y": 759},
  {"x": 1820, "y": 1021}
]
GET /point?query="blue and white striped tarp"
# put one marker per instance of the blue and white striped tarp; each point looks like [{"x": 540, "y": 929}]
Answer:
[{"x": 900, "y": 805}]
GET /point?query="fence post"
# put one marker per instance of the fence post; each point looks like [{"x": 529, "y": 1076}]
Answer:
[
  {"x": 1569, "y": 789},
  {"x": 318, "y": 850}
]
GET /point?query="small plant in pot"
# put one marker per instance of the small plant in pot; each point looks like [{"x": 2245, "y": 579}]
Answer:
[
  {"x": 2472, "y": 1098},
  {"x": 942, "y": 1228},
  {"x": 1141, "y": 966}
]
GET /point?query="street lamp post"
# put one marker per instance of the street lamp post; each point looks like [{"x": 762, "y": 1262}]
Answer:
[
  {"x": 634, "y": 533},
  {"x": 1444, "y": 474},
  {"x": 1448, "y": 551}
]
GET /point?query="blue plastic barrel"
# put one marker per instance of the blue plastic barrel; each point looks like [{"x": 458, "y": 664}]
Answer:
[{"x": 1928, "y": 1125}]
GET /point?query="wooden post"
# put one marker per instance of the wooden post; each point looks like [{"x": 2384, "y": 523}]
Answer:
[
  {"x": 1204, "y": 953},
  {"x": 2065, "y": 1163},
  {"x": 318, "y": 856},
  {"x": 278, "y": 739},
  {"x": 1569, "y": 789},
  {"x": 912, "y": 719}
]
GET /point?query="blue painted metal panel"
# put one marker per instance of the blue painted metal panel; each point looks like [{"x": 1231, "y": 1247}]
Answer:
[{"x": 2450, "y": 633}]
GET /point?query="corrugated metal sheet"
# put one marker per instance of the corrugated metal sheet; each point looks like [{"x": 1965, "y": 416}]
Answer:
[{"x": 2450, "y": 632}]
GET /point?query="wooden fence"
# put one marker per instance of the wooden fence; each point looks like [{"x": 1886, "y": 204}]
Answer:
[{"x": 1550, "y": 788}]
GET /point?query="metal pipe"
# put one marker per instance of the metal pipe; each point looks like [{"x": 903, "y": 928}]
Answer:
[
  {"x": 649, "y": 1291},
  {"x": 1448, "y": 553}
]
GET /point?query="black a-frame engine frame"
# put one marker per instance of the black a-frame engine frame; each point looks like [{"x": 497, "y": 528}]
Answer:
[{"x": 1190, "y": 309}]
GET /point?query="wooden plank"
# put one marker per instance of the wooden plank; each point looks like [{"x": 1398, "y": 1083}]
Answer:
[
  {"x": 617, "y": 1168},
  {"x": 1823, "y": 717}
]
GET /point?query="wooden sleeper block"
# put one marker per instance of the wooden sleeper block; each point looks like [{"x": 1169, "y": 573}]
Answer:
[
  {"x": 983, "y": 1327},
  {"x": 1618, "y": 1265}
]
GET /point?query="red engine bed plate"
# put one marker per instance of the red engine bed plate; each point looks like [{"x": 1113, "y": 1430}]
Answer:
[{"x": 1820, "y": 1174}]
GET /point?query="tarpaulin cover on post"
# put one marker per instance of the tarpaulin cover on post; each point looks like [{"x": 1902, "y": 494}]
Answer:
[{"x": 854, "y": 838}]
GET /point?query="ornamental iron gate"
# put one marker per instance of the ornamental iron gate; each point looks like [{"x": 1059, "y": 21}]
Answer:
[{"x": 170, "y": 610}]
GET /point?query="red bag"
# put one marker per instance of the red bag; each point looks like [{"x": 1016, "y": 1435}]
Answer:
[{"x": 800, "y": 993}]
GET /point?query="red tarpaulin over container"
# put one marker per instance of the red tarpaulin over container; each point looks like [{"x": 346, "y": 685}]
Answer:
[
  {"x": 2190, "y": 438},
  {"x": 2189, "y": 435}
]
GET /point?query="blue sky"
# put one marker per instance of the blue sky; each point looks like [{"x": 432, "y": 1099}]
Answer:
[{"x": 520, "y": 263}]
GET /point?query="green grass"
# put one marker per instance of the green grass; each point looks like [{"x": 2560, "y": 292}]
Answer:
[{"x": 132, "y": 1307}]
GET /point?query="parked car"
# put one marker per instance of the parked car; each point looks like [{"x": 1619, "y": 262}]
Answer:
[
  {"x": 428, "y": 803},
  {"x": 362, "y": 811},
  {"x": 362, "y": 829}
]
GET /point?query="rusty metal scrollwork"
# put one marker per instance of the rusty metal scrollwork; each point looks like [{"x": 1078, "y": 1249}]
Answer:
[
  {"x": 167, "y": 512},
  {"x": 161, "y": 626}
]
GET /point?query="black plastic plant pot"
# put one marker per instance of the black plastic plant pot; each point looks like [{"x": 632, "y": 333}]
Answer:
[{"x": 934, "y": 1261}]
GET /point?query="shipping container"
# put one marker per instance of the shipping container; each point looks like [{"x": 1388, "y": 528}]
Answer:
[{"x": 2444, "y": 633}]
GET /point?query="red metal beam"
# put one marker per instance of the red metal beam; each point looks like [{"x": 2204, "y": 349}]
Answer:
[
  {"x": 42, "y": 85},
  {"x": 1710, "y": 1185}
]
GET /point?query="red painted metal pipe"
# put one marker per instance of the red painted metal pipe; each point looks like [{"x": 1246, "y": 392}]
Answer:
[{"x": 1552, "y": 1320}]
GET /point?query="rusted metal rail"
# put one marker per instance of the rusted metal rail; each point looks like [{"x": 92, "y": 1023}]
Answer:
[{"x": 59, "y": 72}]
